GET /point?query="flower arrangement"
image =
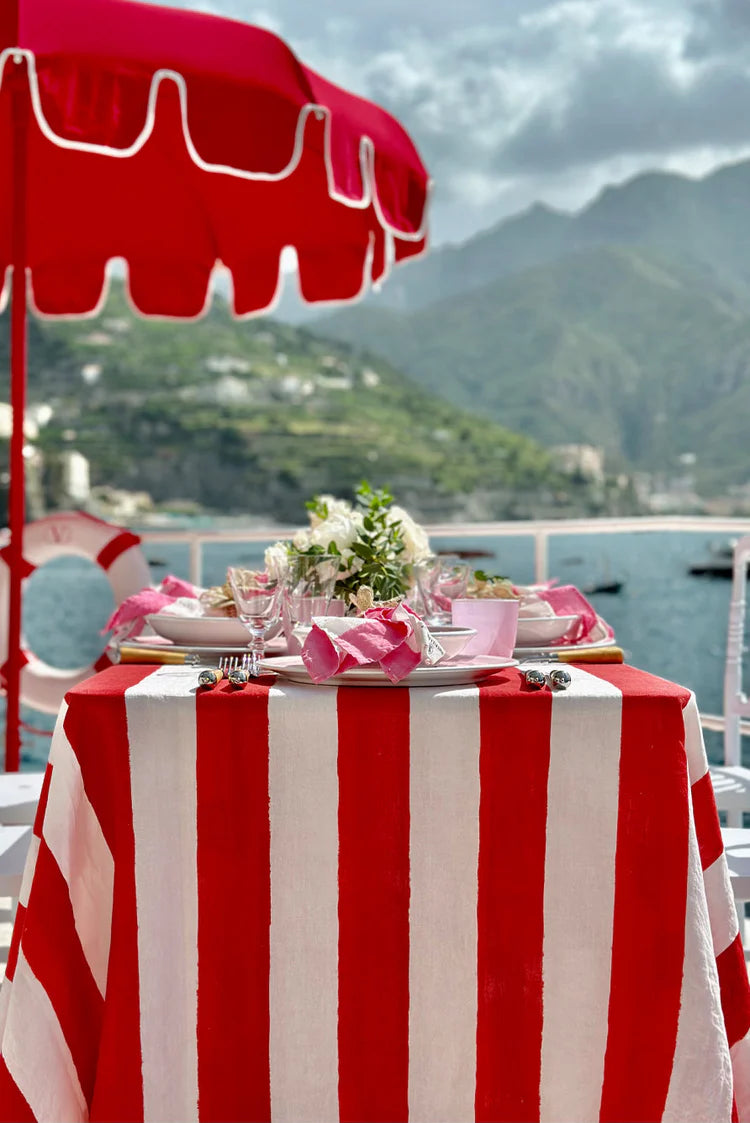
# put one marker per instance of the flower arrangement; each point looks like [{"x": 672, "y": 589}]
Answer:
[{"x": 375, "y": 541}]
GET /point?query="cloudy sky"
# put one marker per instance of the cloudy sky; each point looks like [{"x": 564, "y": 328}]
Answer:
[{"x": 514, "y": 101}]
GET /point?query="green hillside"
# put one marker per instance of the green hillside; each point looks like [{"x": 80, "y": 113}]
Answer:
[
  {"x": 254, "y": 417},
  {"x": 610, "y": 346}
]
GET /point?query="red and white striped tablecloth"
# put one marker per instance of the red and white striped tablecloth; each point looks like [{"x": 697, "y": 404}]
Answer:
[{"x": 310, "y": 904}]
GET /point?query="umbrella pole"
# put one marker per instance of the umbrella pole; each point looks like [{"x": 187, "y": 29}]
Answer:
[{"x": 17, "y": 496}]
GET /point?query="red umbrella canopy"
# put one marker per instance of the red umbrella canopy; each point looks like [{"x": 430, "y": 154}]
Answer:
[{"x": 175, "y": 140}]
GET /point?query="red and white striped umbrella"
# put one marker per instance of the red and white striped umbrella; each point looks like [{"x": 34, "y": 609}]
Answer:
[{"x": 178, "y": 140}]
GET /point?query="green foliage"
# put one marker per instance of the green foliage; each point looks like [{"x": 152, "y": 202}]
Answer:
[
  {"x": 253, "y": 417},
  {"x": 375, "y": 558}
]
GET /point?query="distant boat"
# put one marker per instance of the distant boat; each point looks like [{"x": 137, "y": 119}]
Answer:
[
  {"x": 604, "y": 587},
  {"x": 716, "y": 567},
  {"x": 719, "y": 564},
  {"x": 466, "y": 555}
]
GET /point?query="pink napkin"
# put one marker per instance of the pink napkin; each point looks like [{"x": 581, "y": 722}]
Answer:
[
  {"x": 567, "y": 600},
  {"x": 128, "y": 619},
  {"x": 395, "y": 638}
]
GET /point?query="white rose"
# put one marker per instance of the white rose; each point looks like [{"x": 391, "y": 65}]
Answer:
[
  {"x": 416, "y": 542},
  {"x": 276, "y": 560},
  {"x": 334, "y": 507},
  {"x": 302, "y": 539},
  {"x": 340, "y": 528}
]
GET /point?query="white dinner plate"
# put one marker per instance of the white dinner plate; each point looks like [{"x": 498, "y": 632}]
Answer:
[
  {"x": 534, "y": 630},
  {"x": 452, "y": 672},
  {"x": 552, "y": 649},
  {"x": 275, "y": 646},
  {"x": 204, "y": 631}
]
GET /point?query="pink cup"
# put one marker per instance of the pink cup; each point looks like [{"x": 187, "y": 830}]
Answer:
[{"x": 495, "y": 621}]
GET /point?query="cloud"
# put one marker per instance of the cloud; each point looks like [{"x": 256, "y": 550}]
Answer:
[
  {"x": 515, "y": 100},
  {"x": 629, "y": 103},
  {"x": 719, "y": 27}
]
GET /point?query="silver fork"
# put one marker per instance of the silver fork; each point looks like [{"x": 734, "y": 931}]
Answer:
[{"x": 235, "y": 669}]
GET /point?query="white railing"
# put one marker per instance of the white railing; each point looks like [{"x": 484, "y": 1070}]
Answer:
[{"x": 540, "y": 530}]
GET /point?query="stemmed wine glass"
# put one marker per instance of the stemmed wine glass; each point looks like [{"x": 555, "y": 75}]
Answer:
[{"x": 257, "y": 598}]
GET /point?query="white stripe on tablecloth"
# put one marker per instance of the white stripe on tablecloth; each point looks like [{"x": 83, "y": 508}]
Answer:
[
  {"x": 694, "y": 745},
  {"x": 37, "y": 1054},
  {"x": 579, "y": 889},
  {"x": 82, "y": 855},
  {"x": 303, "y": 984},
  {"x": 700, "y": 1087},
  {"x": 162, "y": 745},
  {"x": 28, "y": 871},
  {"x": 6, "y": 988},
  {"x": 443, "y": 851},
  {"x": 722, "y": 911},
  {"x": 740, "y": 1053}
]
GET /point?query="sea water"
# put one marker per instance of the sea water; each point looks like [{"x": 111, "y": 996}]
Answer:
[{"x": 669, "y": 622}]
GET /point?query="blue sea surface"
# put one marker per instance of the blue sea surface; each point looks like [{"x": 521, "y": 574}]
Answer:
[{"x": 670, "y": 623}]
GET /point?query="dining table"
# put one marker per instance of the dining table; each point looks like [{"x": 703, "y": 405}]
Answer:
[{"x": 300, "y": 903}]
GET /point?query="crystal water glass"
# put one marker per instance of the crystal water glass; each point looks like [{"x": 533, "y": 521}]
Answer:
[
  {"x": 310, "y": 585},
  {"x": 257, "y": 598},
  {"x": 441, "y": 580}
]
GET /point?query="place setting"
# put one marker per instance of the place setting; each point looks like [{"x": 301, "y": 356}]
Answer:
[{"x": 358, "y": 598}]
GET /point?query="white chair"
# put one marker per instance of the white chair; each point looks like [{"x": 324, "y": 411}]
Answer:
[
  {"x": 14, "y": 846},
  {"x": 731, "y": 781},
  {"x": 19, "y": 796}
]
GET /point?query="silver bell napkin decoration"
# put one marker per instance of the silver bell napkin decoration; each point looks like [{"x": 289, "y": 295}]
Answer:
[
  {"x": 210, "y": 676},
  {"x": 556, "y": 679}
]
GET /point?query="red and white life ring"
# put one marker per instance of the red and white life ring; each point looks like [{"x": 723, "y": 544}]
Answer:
[{"x": 114, "y": 548}]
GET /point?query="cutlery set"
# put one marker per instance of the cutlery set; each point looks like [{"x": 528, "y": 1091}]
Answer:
[{"x": 231, "y": 667}]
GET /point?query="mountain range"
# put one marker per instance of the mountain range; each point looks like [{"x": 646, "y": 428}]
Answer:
[
  {"x": 625, "y": 325},
  {"x": 254, "y": 417}
]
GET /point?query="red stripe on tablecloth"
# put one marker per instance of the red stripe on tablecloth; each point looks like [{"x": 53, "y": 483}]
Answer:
[
  {"x": 41, "y": 806},
  {"x": 12, "y": 1104},
  {"x": 15, "y": 942},
  {"x": 707, "y": 826},
  {"x": 373, "y": 767},
  {"x": 636, "y": 683},
  {"x": 649, "y": 913},
  {"x": 20, "y": 917},
  {"x": 54, "y": 954},
  {"x": 234, "y": 904},
  {"x": 103, "y": 662},
  {"x": 513, "y": 771},
  {"x": 101, "y": 758},
  {"x": 735, "y": 993},
  {"x": 97, "y": 731}
]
